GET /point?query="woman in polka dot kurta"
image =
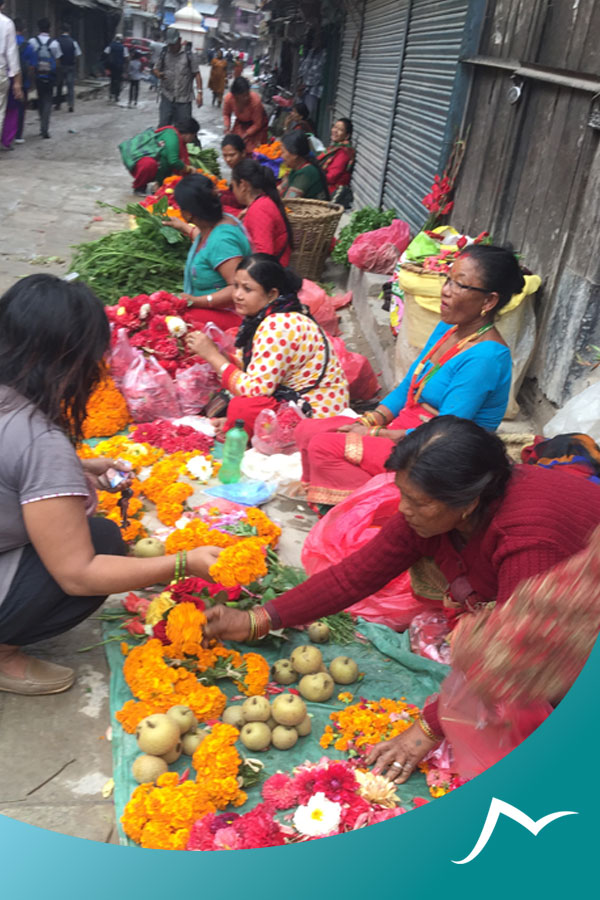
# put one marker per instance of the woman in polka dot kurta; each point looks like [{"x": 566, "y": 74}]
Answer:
[{"x": 279, "y": 348}]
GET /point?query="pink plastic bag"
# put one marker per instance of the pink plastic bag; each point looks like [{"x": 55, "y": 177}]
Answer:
[
  {"x": 379, "y": 251},
  {"x": 321, "y": 306},
  {"x": 149, "y": 391},
  {"x": 348, "y": 527},
  {"x": 362, "y": 380},
  {"x": 274, "y": 429},
  {"x": 428, "y": 631},
  {"x": 224, "y": 340},
  {"x": 195, "y": 386},
  {"x": 481, "y": 735},
  {"x": 122, "y": 354}
]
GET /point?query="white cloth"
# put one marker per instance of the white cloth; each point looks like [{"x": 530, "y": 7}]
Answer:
[
  {"x": 44, "y": 38},
  {"x": 4, "y": 86},
  {"x": 9, "y": 52}
]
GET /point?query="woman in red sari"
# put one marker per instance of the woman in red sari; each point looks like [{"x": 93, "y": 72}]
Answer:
[
  {"x": 265, "y": 220},
  {"x": 338, "y": 160}
]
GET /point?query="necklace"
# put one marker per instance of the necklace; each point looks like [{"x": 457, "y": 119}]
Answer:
[{"x": 417, "y": 383}]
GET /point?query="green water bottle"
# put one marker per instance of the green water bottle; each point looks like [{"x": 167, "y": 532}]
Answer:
[{"x": 233, "y": 453}]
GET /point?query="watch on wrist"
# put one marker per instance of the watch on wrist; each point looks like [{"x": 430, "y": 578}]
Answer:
[{"x": 209, "y": 299}]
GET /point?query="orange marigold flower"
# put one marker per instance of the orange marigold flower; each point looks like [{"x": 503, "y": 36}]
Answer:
[
  {"x": 264, "y": 526},
  {"x": 242, "y": 563},
  {"x": 257, "y": 675},
  {"x": 217, "y": 764},
  {"x": 106, "y": 411}
]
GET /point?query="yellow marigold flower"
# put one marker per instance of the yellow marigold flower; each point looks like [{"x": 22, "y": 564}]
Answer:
[
  {"x": 158, "y": 607},
  {"x": 242, "y": 563}
]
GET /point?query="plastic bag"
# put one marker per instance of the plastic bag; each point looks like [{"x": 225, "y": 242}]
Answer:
[
  {"x": 246, "y": 493},
  {"x": 427, "y": 632},
  {"x": 321, "y": 306},
  {"x": 580, "y": 415},
  {"x": 348, "y": 527},
  {"x": 481, "y": 735},
  {"x": 224, "y": 340},
  {"x": 274, "y": 429},
  {"x": 149, "y": 391},
  {"x": 195, "y": 386},
  {"x": 379, "y": 250},
  {"x": 122, "y": 354},
  {"x": 362, "y": 380}
]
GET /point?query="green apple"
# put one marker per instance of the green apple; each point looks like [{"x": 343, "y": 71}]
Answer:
[
  {"x": 288, "y": 709},
  {"x": 256, "y": 709},
  {"x": 256, "y": 735},
  {"x": 284, "y": 738},
  {"x": 157, "y": 734},
  {"x": 305, "y": 726},
  {"x": 306, "y": 659},
  {"x": 149, "y": 547},
  {"x": 146, "y": 769},
  {"x": 318, "y": 632},
  {"x": 317, "y": 688},
  {"x": 184, "y": 717},
  {"x": 283, "y": 672},
  {"x": 234, "y": 715},
  {"x": 343, "y": 670}
]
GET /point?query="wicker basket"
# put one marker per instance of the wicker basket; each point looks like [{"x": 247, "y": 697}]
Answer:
[{"x": 314, "y": 223}]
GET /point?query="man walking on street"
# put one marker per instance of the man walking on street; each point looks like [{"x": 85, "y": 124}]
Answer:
[
  {"x": 177, "y": 68},
  {"x": 66, "y": 72},
  {"x": 9, "y": 64},
  {"x": 116, "y": 54},
  {"x": 27, "y": 61},
  {"x": 47, "y": 56}
]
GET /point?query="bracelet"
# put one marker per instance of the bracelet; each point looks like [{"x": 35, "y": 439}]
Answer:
[
  {"x": 375, "y": 431},
  {"x": 262, "y": 620},
  {"x": 253, "y": 627},
  {"x": 223, "y": 366},
  {"x": 427, "y": 730},
  {"x": 183, "y": 565},
  {"x": 177, "y": 565}
]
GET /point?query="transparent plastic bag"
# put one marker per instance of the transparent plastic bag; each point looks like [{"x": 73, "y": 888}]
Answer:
[
  {"x": 581, "y": 414},
  {"x": 379, "y": 250},
  {"x": 122, "y": 354},
  {"x": 428, "y": 632},
  {"x": 224, "y": 340},
  {"x": 348, "y": 527},
  {"x": 149, "y": 391},
  {"x": 274, "y": 429},
  {"x": 362, "y": 380},
  {"x": 195, "y": 386}
]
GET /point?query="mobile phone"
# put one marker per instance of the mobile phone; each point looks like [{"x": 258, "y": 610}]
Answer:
[{"x": 116, "y": 477}]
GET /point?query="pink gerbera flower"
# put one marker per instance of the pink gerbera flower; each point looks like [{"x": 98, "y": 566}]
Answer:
[
  {"x": 280, "y": 791},
  {"x": 337, "y": 782}
]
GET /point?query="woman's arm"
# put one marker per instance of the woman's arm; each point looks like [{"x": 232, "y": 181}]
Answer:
[
  {"x": 59, "y": 531},
  {"x": 267, "y": 369},
  {"x": 224, "y": 296},
  {"x": 227, "y": 110}
]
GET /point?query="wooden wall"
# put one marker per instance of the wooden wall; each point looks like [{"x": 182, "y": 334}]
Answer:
[{"x": 531, "y": 174}]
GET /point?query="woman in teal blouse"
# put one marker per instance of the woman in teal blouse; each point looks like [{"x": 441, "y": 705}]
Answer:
[{"x": 219, "y": 243}]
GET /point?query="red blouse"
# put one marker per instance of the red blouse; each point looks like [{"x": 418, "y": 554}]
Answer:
[{"x": 266, "y": 228}]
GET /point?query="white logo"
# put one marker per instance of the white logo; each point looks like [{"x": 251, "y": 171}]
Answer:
[{"x": 500, "y": 807}]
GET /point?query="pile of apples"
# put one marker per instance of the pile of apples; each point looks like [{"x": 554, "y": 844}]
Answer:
[
  {"x": 162, "y": 738},
  {"x": 316, "y": 683},
  {"x": 262, "y": 724}
]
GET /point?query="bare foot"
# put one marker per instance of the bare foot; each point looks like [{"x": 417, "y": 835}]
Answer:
[{"x": 12, "y": 661}]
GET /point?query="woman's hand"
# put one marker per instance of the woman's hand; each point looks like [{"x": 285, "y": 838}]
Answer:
[
  {"x": 354, "y": 428},
  {"x": 200, "y": 344},
  {"x": 200, "y": 560},
  {"x": 177, "y": 224},
  {"x": 398, "y": 758},
  {"x": 227, "y": 624},
  {"x": 99, "y": 470},
  {"x": 394, "y": 436}
]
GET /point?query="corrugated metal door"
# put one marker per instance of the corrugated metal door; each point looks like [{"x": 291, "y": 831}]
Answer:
[
  {"x": 380, "y": 58},
  {"x": 420, "y": 142},
  {"x": 347, "y": 70}
]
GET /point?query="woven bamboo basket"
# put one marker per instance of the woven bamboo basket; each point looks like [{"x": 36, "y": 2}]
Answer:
[{"x": 314, "y": 223}]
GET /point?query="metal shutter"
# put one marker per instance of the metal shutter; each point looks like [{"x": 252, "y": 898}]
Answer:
[
  {"x": 419, "y": 142},
  {"x": 347, "y": 69},
  {"x": 380, "y": 57}
]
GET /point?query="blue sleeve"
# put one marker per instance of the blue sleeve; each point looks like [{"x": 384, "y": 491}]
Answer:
[
  {"x": 484, "y": 370},
  {"x": 396, "y": 399},
  {"x": 228, "y": 241}
]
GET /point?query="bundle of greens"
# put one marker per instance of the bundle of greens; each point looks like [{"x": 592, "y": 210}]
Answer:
[
  {"x": 367, "y": 219},
  {"x": 204, "y": 159},
  {"x": 147, "y": 258}
]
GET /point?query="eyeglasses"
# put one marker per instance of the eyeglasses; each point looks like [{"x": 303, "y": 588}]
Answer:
[{"x": 458, "y": 286}]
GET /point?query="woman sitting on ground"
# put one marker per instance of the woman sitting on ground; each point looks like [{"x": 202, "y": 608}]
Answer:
[
  {"x": 465, "y": 369},
  {"x": 338, "y": 160},
  {"x": 299, "y": 119},
  {"x": 265, "y": 220},
  {"x": 219, "y": 242},
  {"x": 305, "y": 178},
  {"x": 282, "y": 353},
  {"x": 56, "y": 565},
  {"x": 234, "y": 151},
  {"x": 486, "y": 525},
  {"x": 250, "y": 115}
]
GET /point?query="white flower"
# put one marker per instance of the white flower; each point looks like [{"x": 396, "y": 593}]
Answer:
[
  {"x": 320, "y": 816},
  {"x": 145, "y": 310},
  {"x": 200, "y": 467},
  {"x": 377, "y": 789},
  {"x": 176, "y": 326}
]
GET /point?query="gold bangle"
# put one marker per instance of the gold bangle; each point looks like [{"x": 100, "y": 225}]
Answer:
[
  {"x": 427, "y": 730},
  {"x": 252, "y": 635}
]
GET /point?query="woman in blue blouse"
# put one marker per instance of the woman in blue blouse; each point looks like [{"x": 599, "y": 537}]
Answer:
[
  {"x": 219, "y": 243},
  {"x": 464, "y": 370}
]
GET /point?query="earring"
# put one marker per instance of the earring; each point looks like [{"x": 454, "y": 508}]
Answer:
[
  {"x": 482, "y": 313},
  {"x": 464, "y": 516}
]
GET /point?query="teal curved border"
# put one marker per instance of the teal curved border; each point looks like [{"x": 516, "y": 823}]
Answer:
[{"x": 409, "y": 856}]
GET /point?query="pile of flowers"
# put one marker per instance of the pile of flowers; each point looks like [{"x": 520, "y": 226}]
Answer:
[
  {"x": 170, "y": 437},
  {"x": 442, "y": 261},
  {"x": 106, "y": 411},
  {"x": 271, "y": 149},
  {"x": 167, "y": 189}
]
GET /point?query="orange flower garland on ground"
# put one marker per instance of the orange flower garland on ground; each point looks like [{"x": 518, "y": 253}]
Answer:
[
  {"x": 368, "y": 723},
  {"x": 242, "y": 563},
  {"x": 257, "y": 675},
  {"x": 159, "y": 817},
  {"x": 217, "y": 764},
  {"x": 264, "y": 526},
  {"x": 271, "y": 150},
  {"x": 106, "y": 411},
  {"x": 163, "y": 489},
  {"x": 198, "y": 534}
]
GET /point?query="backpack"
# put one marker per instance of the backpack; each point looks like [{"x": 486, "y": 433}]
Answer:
[
  {"x": 116, "y": 56},
  {"x": 147, "y": 143},
  {"x": 67, "y": 45},
  {"x": 45, "y": 63}
]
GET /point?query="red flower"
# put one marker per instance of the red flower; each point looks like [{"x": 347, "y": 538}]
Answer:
[
  {"x": 160, "y": 631},
  {"x": 134, "y": 604},
  {"x": 337, "y": 782},
  {"x": 134, "y": 626},
  {"x": 280, "y": 791},
  {"x": 419, "y": 801}
]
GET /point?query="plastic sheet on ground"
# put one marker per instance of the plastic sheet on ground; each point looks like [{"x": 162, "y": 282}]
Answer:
[
  {"x": 280, "y": 468},
  {"x": 391, "y": 670}
]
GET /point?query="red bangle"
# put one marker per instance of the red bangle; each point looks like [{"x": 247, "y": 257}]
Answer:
[{"x": 263, "y": 621}]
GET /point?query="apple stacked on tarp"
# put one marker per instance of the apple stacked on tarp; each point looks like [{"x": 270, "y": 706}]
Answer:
[{"x": 162, "y": 738}]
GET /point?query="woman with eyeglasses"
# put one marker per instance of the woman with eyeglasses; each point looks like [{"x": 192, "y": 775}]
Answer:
[{"x": 464, "y": 370}]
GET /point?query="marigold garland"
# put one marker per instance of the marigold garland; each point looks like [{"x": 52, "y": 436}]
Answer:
[
  {"x": 367, "y": 723},
  {"x": 198, "y": 534},
  {"x": 217, "y": 764},
  {"x": 106, "y": 411},
  {"x": 257, "y": 675},
  {"x": 265, "y": 528},
  {"x": 242, "y": 563},
  {"x": 160, "y": 817}
]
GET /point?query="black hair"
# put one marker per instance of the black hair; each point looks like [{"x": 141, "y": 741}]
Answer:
[
  {"x": 261, "y": 178},
  {"x": 195, "y": 195},
  {"x": 18, "y": 22},
  {"x": 53, "y": 335},
  {"x": 235, "y": 141},
  {"x": 44, "y": 25},
  {"x": 302, "y": 110},
  {"x": 347, "y": 125},
  {"x": 500, "y": 271},
  {"x": 240, "y": 85},
  {"x": 296, "y": 142},
  {"x": 65, "y": 28},
  {"x": 188, "y": 126},
  {"x": 269, "y": 273},
  {"x": 454, "y": 461}
]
